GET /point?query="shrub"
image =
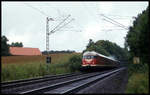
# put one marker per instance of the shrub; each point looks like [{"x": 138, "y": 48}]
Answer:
[
  {"x": 75, "y": 63},
  {"x": 138, "y": 81},
  {"x": 138, "y": 68}
]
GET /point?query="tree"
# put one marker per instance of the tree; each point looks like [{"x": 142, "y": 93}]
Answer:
[
  {"x": 90, "y": 43},
  {"x": 138, "y": 37},
  {"x": 5, "y": 46},
  {"x": 108, "y": 48},
  {"x": 16, "y": 44}
]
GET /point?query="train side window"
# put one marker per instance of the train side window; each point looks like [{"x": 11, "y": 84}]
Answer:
[{"x": 95, "y": 56}]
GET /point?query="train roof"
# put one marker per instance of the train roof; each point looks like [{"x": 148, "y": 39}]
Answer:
[{"x": 95, "y": 53}]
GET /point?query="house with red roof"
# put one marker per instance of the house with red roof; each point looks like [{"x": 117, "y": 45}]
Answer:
[{"x": 24, "y": 51}]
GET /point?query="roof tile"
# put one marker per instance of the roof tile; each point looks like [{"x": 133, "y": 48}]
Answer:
[{"x": 24, "y": 51}]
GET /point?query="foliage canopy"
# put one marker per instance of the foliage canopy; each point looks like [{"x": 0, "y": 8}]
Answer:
[
  {"x": 16, "y": 44},
  {"x": 5, "y": 46},
  {"x": 107, "y": 48},
  {"x": 137, "y": 38}
]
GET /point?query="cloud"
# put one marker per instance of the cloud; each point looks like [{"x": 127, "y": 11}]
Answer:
[
  {"x": 105, "y": 7},
  {"x": 21, "y": 23},
  {"x": 19, "y": 38},
  {"x": 91, "y": 31}
]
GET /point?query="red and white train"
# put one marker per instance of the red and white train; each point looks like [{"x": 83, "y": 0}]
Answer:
[{"x": 94, "y": 59}]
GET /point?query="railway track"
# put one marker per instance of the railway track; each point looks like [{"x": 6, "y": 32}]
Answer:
[
  {"x": 8, "y": 87},
  {"x": 17, "y": 83},
  {"x": 60, "y": 85}
]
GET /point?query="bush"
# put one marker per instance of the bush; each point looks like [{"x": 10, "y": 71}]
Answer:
[
  {"x": 138, "y": 81},
  {"x": 137, "y": 68},
  {"x": 75, "y": 63}
]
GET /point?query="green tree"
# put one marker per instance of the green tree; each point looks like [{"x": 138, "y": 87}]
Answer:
[
  {"x": 108, "y": 48},
  {"x": 90, "y": 43},
  {"x": 4, "y": 46},
  {"x": 138, "y": 37},
  {"x": 16, "y": 44}
]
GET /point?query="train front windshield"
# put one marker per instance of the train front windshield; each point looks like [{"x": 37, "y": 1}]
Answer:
[{"x": 88, "y": 57}]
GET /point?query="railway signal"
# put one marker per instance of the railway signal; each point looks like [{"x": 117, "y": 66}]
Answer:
[{"x": 48, "y": 59}]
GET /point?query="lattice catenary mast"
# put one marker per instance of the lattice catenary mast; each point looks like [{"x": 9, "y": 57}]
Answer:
[
  {"x": 47, "y": 33},
  {"x": 58, "y": 27}
]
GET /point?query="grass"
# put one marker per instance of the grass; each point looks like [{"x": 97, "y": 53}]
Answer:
[
  {"x": 138, "y": 82},
  {"x": 23, "y": 67},
  {"x": 56, "y": 58}
]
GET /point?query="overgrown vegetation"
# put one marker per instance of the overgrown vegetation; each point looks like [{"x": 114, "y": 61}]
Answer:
[
  {"x": 75, "y": 63},
  {"x": 138, "y": 44},
  {"x": 137, "y": 39},
  {"x": 5, "y": 46},
  {"x": 61, "y": 64},
  {"x": 138, "y": 81}
]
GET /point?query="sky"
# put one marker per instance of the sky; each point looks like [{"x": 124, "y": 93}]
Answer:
[{"x": 26, "y": 22}]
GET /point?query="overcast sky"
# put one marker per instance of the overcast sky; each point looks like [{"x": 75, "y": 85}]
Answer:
[{"x": 26, "y": 22}]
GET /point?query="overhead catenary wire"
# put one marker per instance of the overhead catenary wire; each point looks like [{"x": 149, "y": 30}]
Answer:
[
  {"x": 37, "y": 9},
  {"x": 124, "y": 16},
  {"x": 85, "y": 6},
  {"x": 117, "y": 23},
  {"x": 61, "y": 16},
  {"x": 57, "y": 28},
  {"x": 77, "y": 25},
  {"x": 62, "y": 26},
  {"x": 52, "y": 31},
  {"x": 50, "y": 6},
  {"x": 110, "y": 29},
  {"x": 96, "y": 20},
  {"x": 114, "y": 21},
  {"x": 47, "y": 15}
]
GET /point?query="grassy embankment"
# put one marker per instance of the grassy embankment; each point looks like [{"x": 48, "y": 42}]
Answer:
[
  {"x": 138, "y": 82},
  {"x": 22, "y": 67}
]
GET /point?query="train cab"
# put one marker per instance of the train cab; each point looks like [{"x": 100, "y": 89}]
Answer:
[{"x": 89, "y": 60}]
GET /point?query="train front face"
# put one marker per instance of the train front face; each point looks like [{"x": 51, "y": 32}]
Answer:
[{"x": 88, "y": 60}]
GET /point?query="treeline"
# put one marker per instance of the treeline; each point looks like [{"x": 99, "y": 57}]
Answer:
[
  {"x": 5, "y": 46},
  {"x": 137, "y": 43},
  {"x": 63, "y": 51},
  {"x": 107, "y": 48},
  {"x": 137, "y": 39},
  {"x": 16, "y": 44}
]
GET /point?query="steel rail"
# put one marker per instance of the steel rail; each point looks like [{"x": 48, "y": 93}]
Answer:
[
  {"x": 35, "y": 80},
  {"x": 21, "y": 80},
  {"x": 60, "y": 84},
  {"x": 86, "y": 83},
  {"x": 42, "y": 89}
]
